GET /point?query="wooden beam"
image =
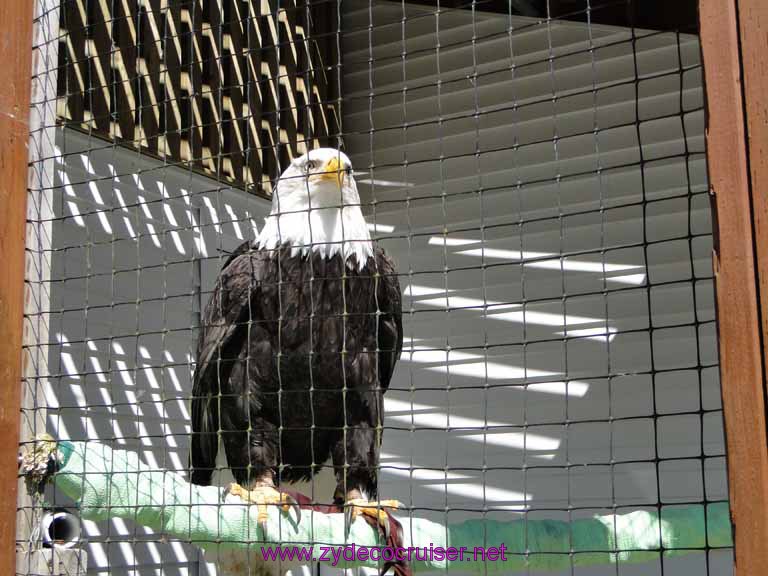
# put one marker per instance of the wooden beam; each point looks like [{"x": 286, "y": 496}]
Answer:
[
  {"x": 753, "y": 28},
  {"x": 724, "y": 28},
  {"x": 648, "y": 14},
  {"x": 677, "y": 15},
  {"x": 16, "y": 55}
]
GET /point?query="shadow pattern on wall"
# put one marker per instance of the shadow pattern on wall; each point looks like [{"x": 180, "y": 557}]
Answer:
[{"x": 232, "y": 88}]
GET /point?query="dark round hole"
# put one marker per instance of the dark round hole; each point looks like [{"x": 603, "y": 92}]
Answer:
[{"x": 62, "y": 529}]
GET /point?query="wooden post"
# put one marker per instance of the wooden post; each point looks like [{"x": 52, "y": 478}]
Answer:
[
  {"x": 16, "y": 56},
  {"x": 734, "y": 39}
]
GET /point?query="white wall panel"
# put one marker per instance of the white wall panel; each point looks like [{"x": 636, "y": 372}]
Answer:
[{"x": 542, "y": 187}]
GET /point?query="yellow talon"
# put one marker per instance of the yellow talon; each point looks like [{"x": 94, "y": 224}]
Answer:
[
  {"x": 376, "y": 510},
  {"x": 264, "y": 496}
]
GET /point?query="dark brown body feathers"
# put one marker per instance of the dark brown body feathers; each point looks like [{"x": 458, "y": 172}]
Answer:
[{"x": 303, "y": 342}]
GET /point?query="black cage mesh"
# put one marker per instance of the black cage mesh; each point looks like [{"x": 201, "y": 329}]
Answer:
[{"x": 536, "y": 171}]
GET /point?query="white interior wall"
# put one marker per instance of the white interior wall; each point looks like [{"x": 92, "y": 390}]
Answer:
[
  {"x": 546, "y": 204},
  {"x": 133, "y": 243}
]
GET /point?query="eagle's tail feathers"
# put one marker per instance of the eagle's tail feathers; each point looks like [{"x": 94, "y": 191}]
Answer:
[{"x": 205, "y": 443}]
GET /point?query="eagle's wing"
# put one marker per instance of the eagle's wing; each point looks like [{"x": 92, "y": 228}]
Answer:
[
  {"x": 222, "y": 335},
  {"x": 389, "y": 301}
]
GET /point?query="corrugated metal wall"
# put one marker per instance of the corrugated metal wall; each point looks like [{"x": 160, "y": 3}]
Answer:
[{"x": 542, "y": 186}]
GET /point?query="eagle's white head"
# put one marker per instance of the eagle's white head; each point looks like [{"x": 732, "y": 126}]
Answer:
[{"x": 316, "y": 207}]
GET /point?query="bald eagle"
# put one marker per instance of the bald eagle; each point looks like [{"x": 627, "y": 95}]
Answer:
[{"x": 297, "y": 346}]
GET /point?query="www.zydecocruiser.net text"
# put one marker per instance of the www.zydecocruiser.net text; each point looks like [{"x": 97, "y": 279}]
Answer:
[{"x": 354, "y": 553}]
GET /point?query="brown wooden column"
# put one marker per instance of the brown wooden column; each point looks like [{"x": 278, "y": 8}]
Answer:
[
  {"x": 16, "y": 56},
  {"x": 734, "y": 38}
]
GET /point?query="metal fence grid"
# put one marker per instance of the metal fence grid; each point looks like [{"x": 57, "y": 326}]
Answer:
[{"x": 536, "y": 170}]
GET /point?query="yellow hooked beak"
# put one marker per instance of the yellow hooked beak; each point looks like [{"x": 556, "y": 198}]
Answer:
[{"x": 332, "y": 171}]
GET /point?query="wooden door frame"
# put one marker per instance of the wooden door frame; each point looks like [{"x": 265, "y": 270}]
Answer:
[
  {"x": 734, "y": 38},
  {"x": 16, "y": 19},
  {"x": 733, "y": 35}
]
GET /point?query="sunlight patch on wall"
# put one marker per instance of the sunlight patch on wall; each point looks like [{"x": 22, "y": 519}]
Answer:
[{"x": 422, "y": 415}]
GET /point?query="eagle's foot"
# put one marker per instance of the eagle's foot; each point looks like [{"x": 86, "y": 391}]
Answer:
[
  {"x": 376, "y": 510},
  {"x": 264, "y": 496}
]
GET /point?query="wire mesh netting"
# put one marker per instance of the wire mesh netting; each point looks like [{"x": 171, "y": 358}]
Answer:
[{"x": 535, "y": 170}]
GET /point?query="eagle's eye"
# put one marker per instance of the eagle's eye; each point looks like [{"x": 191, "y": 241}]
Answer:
[{"x": 311, "y": 165}]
